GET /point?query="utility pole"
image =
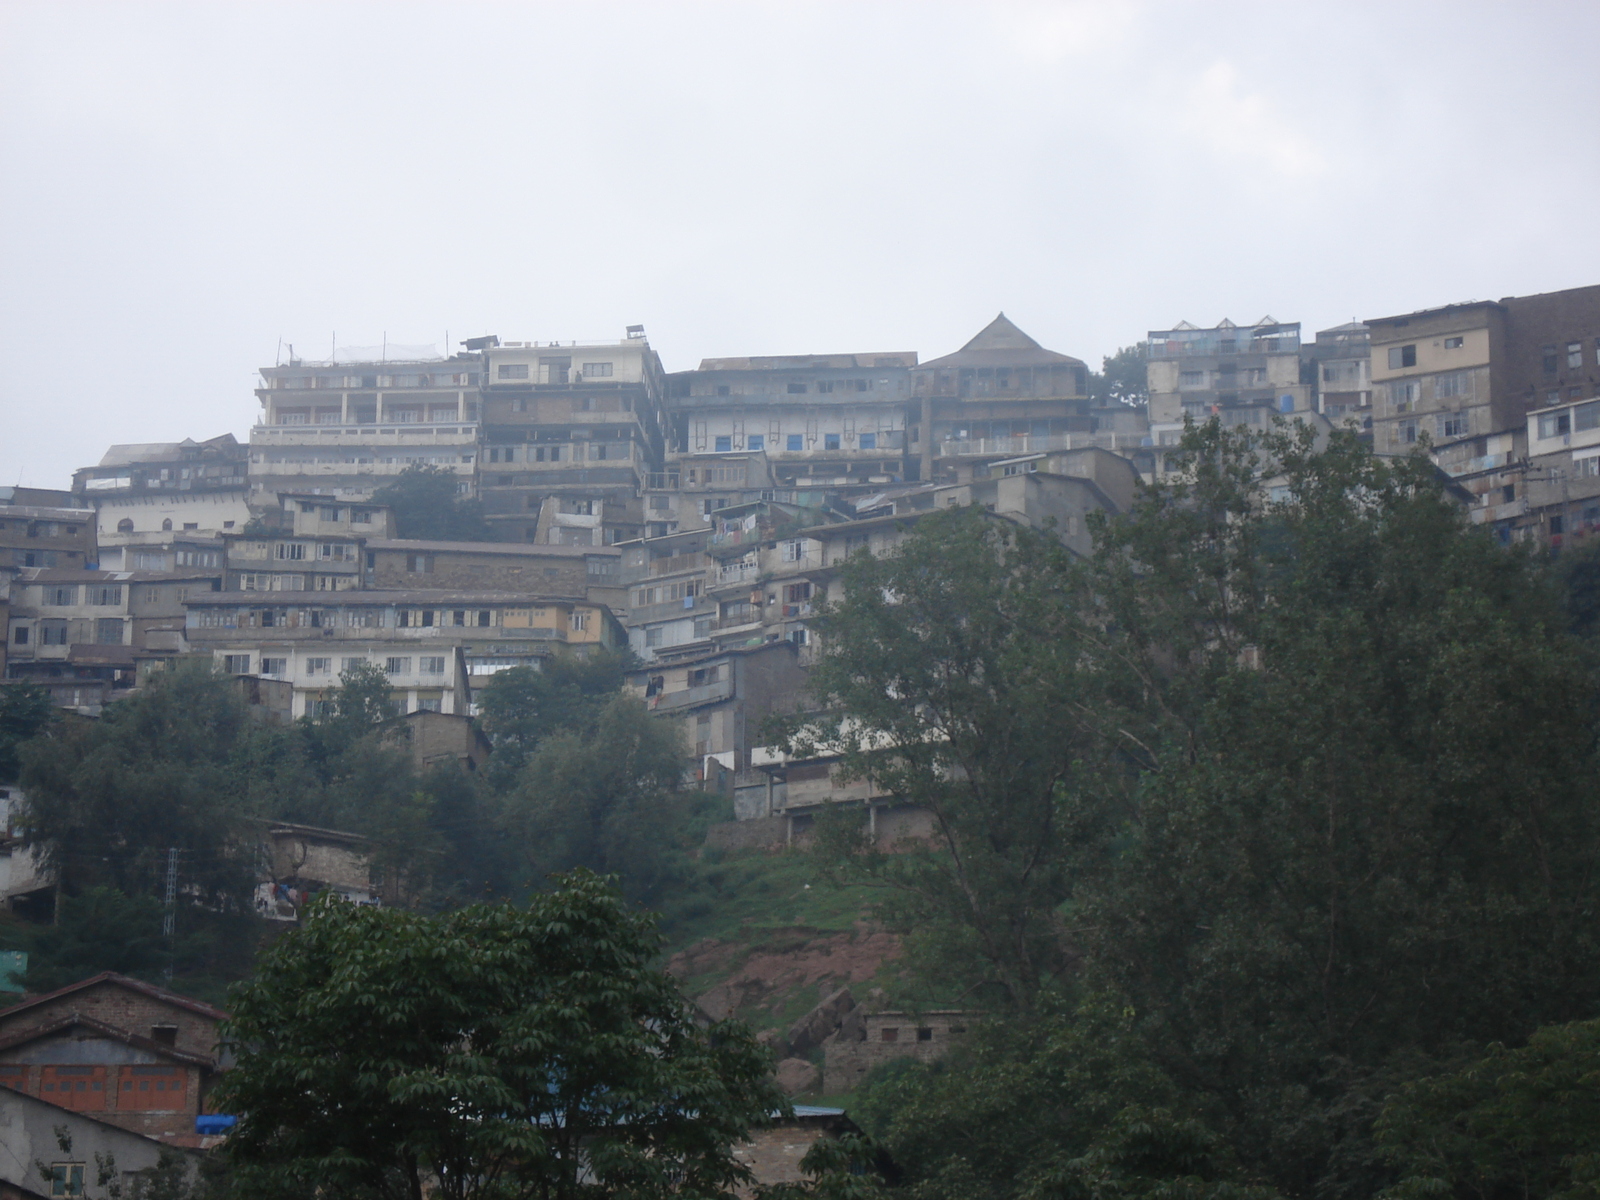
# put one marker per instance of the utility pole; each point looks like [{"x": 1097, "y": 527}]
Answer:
[{"x": 172, "y": 900}]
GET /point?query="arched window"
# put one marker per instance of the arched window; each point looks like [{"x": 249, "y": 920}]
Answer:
[
  {"x": 166, "y": 526},
  {"x": 125, "y": 525}
]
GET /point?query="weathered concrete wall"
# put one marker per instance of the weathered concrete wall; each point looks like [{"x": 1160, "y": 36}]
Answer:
[{"x": 28, "y": 1137}]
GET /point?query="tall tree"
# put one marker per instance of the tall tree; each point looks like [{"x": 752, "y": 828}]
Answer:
[
  {"x": 495, "y": 1052},
  {"x": 951, "y": 678},
  {"x": 523, "y": 706},
  {"x": 428, "y": 505}
]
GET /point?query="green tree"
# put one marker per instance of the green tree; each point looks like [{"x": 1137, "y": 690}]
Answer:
[
  {"x": 951, "y": 677},
  {"x": 1121, "y": 378},
  {"x": 428, "y": 505},
  {"x": 1512, "y": 1123},
  {"x": 605, "y": 797},
  {"x": 106, "y": 801},
  {"x": 100, "y": 930},
  {"x": 495, "y": 1051},
  {"x": 25, "y": 711},
  {"x": 523, "y": 706}
]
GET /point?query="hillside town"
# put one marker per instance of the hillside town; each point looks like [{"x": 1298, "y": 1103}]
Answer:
[{"x": 690, "y": 526}]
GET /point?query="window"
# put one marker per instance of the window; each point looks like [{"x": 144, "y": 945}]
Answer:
[
  {"x": 1586, "y": 466},
  {"x": 125, "y": 526},
  {"x": 52, "y": 633},
  {"x": 419, "y": 564},
  {"x": 108, "y": 631},
  {"x": 1401, "y": 357},
  {"x": 830, "y": 441},
  {"x": 361, "y": 516},
  {"x": 924, "y": 1035},
  {"x": 66, "y": 1179},
  {"x": 797, "y": 389},
  {"x": 431, "y": 664},
  {"x": 1586, "y": 416},
  {"x": 236, "y": 664},
  {"x": 598, "y": 370},
  {"x": 1453, "y": 383},
  {"x": 60, "y": 597},
  {"x": 796, "y": 593},
  {"x": 512, "y": 371},
  {"x": 1555, "y": 425},
  {"x": 397, "y": 666},
  {"x": 793, "y": 442},
  {"x": 1453, "y": 343},
  {"x": 869, "y": 441},
  {"x": 319, "y": 666},
  {"x": 652, "y": 636},
  {"x": 1191, "y": 379},
  {"x": 1574, "y": 355},
  {"x": 1453, "y": 425},
  {"x": 755, "y": 441},
  {"x": 20, "y": 636},
  {"x": 291, "y": 550},
  {"x": 105, "y": 594},
  {"x": 1557, "y": 525},
  {"x": 347, "y": 665},
  {"x": 430, "y": 704},
  {"x": 1407, "y": 433},
  {"x": 891, "y": 1034},
  {"x": 483, "y": 618},
  {"x": 724, "y": 444},
  {"x": 581, "y": 508},
  {"x": 799, "y": 637},
  {"x": 1551, "y": 362},
  {"x": 1403, "y": 396},
  {"x": 794, "y": 551},
  {"x": 274, "y": 666}
]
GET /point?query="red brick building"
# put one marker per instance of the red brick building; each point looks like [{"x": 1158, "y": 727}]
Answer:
[{"x": 126, "y": 1052}]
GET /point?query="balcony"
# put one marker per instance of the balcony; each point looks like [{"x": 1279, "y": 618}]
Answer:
[
  {"x": 370, "y": 433},
  {"x": 706, "y": 693},
  {"x": 1008, "y": 446},
  {"x": 738, "y": 573},
  {"x": 678, "y": 562}
]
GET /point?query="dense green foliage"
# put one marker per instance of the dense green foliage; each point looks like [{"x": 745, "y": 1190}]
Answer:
[
  {"x": 1513, "y": 1123},
  {"x": 428, "y": 505},
  {"x": 503, "y": 1052},
  {"x": 1121, "y": 378},
  {"x": 1294, "y": 771},
  {"x": 25, "y": 711}
]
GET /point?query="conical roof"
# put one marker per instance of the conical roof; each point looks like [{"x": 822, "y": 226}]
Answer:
[{"x": 1001, "y": 344}]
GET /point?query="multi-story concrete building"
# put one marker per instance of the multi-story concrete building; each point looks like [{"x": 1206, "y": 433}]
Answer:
[
  {"x": 1242, "y": 375},
  {"x": 1562, "y": 478},
  {"x": 347, "y": 428},
  {"x": 430, "y": 642},
  {"x": 571, "y": 431},
  {"x": 154, "y": 499},
  {"x": 315, "y": 545},
  {"x": 1000, "y": 395},
  {"x": 41, "y": 527},
  {"x": 591, "y": 571},
  {"x": 83, "y": 634},
  {"x": 1341, "y": 366},
  {"x": 801, "y": 421},
  {"x": 1475, "y": 369}
]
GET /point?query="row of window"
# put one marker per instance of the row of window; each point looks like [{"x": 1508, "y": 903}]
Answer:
[
  {"x": 597, "y": 452},
  {"x": 107, "y": 632},
  {"x": 357, "y": 618},
  {"x": 427, "y": 664},
  {"x": 1574, "y": 420},
  {"x": 793, "y": 443},
  {"x": 1446, "y": 426},
  {"x": 439, "y": 414},
  {"x": 1552, "y": 355},
  {"x": 65, "y": 595}
]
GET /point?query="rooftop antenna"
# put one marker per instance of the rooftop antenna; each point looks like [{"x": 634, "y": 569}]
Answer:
[
  {"x": 277, "y": 358},
  {"x": 385, "y": 357},
  {"x": 333, "y": 347}
]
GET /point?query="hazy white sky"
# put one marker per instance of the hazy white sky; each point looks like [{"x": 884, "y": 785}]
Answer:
[{"x": 182, "y": 185}]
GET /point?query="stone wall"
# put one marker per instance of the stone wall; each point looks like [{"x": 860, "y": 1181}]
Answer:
[{"x": 867, "y": 1039}]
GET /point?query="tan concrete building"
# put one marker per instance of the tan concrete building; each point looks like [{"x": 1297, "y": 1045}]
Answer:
[
  {"x": 345, "y": 428},
  {"x": 570, "y": 432},
  {"x": 1000, "y": 395}
]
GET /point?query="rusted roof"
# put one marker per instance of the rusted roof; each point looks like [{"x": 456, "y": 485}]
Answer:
[{"x": 1001, "y": 344}]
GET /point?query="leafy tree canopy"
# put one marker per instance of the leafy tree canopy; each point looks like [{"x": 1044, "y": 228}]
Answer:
[
  {"x": 25, "y": 711},
  {"x": 500, "y": 1051},
  {"x": 1121, "y": 378},
  {"x": 428, "y": 506}
]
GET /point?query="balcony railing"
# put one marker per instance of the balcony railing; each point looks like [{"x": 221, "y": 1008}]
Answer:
[
  {"x": 739, "y": 573},
  {"x": 1003, "y": 446}
]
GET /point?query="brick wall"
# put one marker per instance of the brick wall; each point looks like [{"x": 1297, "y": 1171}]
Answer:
[
  {"x": 126, "y": 1009},
  {"x": 876, "y": 1038}
]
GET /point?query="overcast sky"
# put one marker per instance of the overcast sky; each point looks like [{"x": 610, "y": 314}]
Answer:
[{"x": 182, "y": 185}]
